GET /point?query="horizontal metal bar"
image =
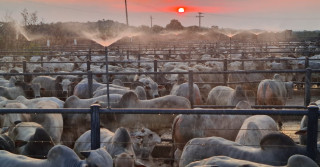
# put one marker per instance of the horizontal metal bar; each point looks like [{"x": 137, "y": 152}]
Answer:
[
  {"x": 204, "y": 111},
  {"x": 45, "y": 111}
]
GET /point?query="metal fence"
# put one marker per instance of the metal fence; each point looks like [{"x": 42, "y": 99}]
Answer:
[{"x": 312, "y": 112}]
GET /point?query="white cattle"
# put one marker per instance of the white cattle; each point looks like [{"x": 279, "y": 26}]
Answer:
[
  {"x": 75, "y": 102},
  {"x": 154, "y": 122},
  {"x": 274, "y": 92},
  {"x": 30, "y": 139},
  {"x": 183, "y": 90},
  {"x": 254, "y": 129},
  {"x": 293, "y": 161},
  {"x": 187, "y": 127},
  {"x": 275, "y": 149},
  {"x": 115, "y": 143},
  {"x": 226, "y": 96},
  {"x": 61, "y": 156}
]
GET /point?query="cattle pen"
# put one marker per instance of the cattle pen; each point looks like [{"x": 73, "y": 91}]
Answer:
[{"x": 161, "y": 56}]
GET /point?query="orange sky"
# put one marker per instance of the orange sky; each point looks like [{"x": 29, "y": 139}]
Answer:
[{"x": 272, "y": 14}]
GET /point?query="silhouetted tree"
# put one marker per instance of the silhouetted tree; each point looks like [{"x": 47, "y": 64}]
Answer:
[{"x": 174, "y": 25}]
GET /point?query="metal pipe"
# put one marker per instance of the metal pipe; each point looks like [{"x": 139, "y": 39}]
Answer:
[
  {"x": 90, "y": 84},
  {"x": 107, "y": 76},
  {"x": 307, "y": 87},
  {"x": 312, "y": 134},
  {"x": 191, "y": 92},
  {"x": 95, "y": 126}
]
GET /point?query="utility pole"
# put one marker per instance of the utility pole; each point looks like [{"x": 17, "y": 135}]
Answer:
[
  {"x": 199, "y": 16},
  {"x": 151, "y": 20},
  {"x": 125, "y": 1}
]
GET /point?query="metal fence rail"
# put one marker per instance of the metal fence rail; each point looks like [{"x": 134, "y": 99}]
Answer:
[{"x": 312, "y": 112}]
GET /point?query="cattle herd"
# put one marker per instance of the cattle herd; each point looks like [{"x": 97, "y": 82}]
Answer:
[{"x": 128, "y": 140}]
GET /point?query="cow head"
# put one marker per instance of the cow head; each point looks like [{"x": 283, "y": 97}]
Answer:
[
  {"x": 65, "y": 86},
  {"x": 36, "y": 87},
  {"x": 144, "y": 141}
]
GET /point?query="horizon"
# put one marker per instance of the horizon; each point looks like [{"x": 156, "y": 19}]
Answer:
[{"x": 269, "y": 15}]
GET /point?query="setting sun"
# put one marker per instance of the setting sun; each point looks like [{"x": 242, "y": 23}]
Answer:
[{"x": 181, "y": 10}]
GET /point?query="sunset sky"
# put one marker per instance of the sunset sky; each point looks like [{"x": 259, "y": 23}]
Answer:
[{"x": 243, "y": 14}]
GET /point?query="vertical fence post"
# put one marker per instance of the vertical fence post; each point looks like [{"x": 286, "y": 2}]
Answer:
[
  {"x": 191, "y": 94},
  {"x": 107, "y": 76},
  {"x": 89, "y": 55},
  {"x": 225, "y": 68},
  {"x": 155, "y": 69},
  {"x": 139, "y": 58},
  {"x": 312, "y": 131},
  {"x": 24, "y": 70},
  {"x": 41, "y": 60},
  {"x": 307, "y": 87},
  {"x": 128, "y": 54},
  {"x": 168, "y": 57},
  {"x": 306, "y": 62},
  {"x": 90, "y": 84},
  {"x": 14, "y": 61},
  {"x": 95, "y": 126},
  {"x": 88, "y": 65}
]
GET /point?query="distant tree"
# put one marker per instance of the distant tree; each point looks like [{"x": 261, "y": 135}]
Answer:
[
  {"x": 174, "y": 25},
  {"x": 157, "y": 28},
  {"x": 29, "y": 19}
]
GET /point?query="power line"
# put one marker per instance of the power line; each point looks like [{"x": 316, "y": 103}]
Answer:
[{"x": 199, "y": 16}]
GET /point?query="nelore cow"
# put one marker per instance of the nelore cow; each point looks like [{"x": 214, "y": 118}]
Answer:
[
  {"x": 254, "y": 128},
  {"x": 275, "y": 149},
  {"x": 20, "y": 89},
  {"x": 226, "y": 96},
  {"x": 46, "y": 86},
  {"x": 115, "y": 143},
  {"x": 30, "y": 139},
  {"x": 154, "y": 122},
  {"x": 50, "y": 122},
  {"x": 224, "y": 161},
  {"x": 274, "y": 91},
  {"x": 183, "y": 90},
  {"x": 61, "y": 156},
  {"x": 187, "y": 127}
]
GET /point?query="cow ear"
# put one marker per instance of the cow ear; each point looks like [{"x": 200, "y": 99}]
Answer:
[
  {"x": 17, "y": 122},
  {"x": 20, "y": 143},
  {"x": 301, "y": 132},
  {"x": 85, "y": 153}
]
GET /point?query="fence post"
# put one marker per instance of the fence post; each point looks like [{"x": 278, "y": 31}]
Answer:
[
  {"x": 95, "y": 126},
  {"x": 128, "y": 54},
  {"x": 90, "y": 84},
  {"x": 107, "y": 75},
  {"x": 225, "y": 68},
  {"x": 155, "y": 69},
  {"x": 169, "y": 55},
  {"x": 191, "y": 94},
  {"x": 24, "y": 70},
  {"x": 89, "y": 55},
  {"x": 139, "y": 58},
  {"x": 41, "y": 60},
  {"x": 312, "y": 133},
  {"x": 307, "y": 87},
  {"x": 88, "y": 65},
  {"x": 306, "y": 62}
]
